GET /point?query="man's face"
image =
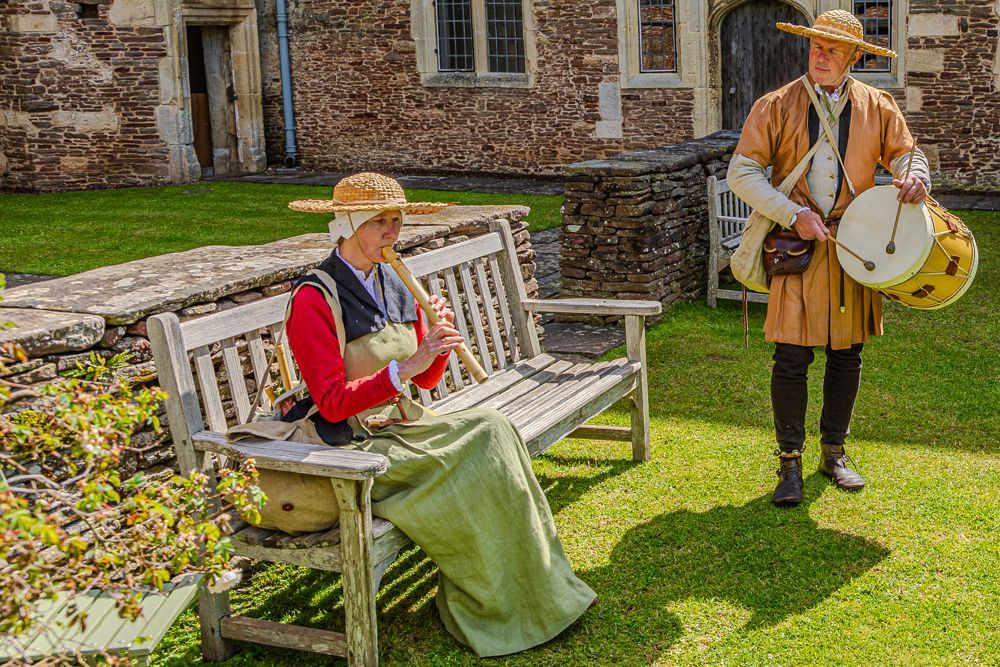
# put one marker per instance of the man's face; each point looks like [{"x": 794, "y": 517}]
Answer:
[{"x": 829, "y": 60}]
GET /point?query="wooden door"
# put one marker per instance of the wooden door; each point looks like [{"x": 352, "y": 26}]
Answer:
[{"x": 757, "y": 57}]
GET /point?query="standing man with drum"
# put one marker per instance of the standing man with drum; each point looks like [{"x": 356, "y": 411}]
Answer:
[{"x": 857, "y": 127}]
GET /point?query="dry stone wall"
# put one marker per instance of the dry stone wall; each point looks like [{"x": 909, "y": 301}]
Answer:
[
  {"x": 61, "y": 322},
  {"x": 635, "y": 225}
]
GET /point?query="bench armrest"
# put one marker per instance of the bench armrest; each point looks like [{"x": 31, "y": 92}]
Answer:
[
  {"x": 316, "y": 460},
  {"x": 594, "y": 306}
]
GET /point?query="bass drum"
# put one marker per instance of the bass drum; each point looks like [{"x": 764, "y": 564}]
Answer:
[{"x": 935, "y": 258}]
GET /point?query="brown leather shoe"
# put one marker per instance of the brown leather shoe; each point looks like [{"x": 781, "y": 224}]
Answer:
[
  {"x": 833, "y": 463},
  {"x": 789, "y": 490}
]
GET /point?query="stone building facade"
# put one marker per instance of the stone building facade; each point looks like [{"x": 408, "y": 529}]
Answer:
[{"x": 104, "y": 93}]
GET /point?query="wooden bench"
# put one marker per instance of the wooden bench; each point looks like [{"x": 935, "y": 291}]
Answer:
[
  {"x": 545, "y": 398},
  {"x": 727, "y": 215},
  {"x": 105, "y": 631}
]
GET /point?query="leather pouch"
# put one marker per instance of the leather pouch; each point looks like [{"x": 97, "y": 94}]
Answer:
[{"x": 785, "y": 252}]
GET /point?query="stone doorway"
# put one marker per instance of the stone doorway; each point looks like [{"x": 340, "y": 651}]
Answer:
[
  {"x": 756, "y": 57},
  {"x": 213, "y": 118}
]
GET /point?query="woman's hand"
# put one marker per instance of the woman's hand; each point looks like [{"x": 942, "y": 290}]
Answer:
[
  {"x": 442, "y": 338},
  {"x": 440, "y": 306}
]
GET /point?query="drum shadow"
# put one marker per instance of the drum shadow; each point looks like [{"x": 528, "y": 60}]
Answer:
[{"x": 768, "y": 563}]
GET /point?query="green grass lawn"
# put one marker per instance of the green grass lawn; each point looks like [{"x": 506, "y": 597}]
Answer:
[
  {"x": 695, "y": 567},
  {"x": 65, "y": 233}
]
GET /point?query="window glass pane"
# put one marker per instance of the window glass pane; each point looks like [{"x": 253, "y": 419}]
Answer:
[
  {"x": 454, "y": 36},
  {"x": 505, "y": 36},
  {"x": 875, "y": 16},
  {"x": 657, "y": 48}
]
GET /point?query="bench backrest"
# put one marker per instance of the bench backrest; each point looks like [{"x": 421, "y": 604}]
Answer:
[
  {"x": 212, "y": 366},
  {"x": 727, "y": 211}
]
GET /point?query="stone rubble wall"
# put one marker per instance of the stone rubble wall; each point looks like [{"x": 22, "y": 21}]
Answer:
[
  {"x": 80, "y": 97},
  {"x": 61, "y": 322},
  {"x": 635, "y": 226}
]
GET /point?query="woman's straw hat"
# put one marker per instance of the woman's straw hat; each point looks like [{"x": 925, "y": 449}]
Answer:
[
  {"x": 840, "y": 25},
  {"x": 366, "y": 191}
]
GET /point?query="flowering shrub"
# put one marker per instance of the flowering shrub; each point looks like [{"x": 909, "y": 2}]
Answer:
[{"x": 70, "y": 523}]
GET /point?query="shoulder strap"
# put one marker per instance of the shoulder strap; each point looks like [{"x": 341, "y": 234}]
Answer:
[{"x": 826, "y": 120}]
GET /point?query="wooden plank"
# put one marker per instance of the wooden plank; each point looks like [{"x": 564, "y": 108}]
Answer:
[
  {"x": 321, "y": 558},
  {"x": 457, "y": 305},
  {"x": 354, "y": 499},
  {"x": 258, "y": 358},
  {"x": 513, "y": 282},
  {"x": 159, "y": 611},
  {"x": 477, "y": 318},
  {"x": 550, "y": 396},
  {"x": 594, "y": 306},
  {"x": 215, "y": 415},
  {"x": 754, "y": 297},
  {"x": 598, "y": 432},
  {"x": 525, "y": 386},
  {"x": 237, "y": 382},
  {"x": 551, "y": 427},
  {"x": 453, "y": 365},
  {"x": 317, "y": 460},
  {"x": 635, "y": 345},
  {"x": 284, "y": 635},
  {"x": 473, "y": 396},
  {"x": 436, "y": 260},
  {"x": 213, "y": 328},
  {"x": 491, "y": 314},
  {"x": 508, "y": 326}
]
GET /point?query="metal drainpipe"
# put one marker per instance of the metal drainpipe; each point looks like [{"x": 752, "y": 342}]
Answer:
[{"x": 291, "y": 152}]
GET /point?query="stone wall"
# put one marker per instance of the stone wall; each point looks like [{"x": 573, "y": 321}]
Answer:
[
  {"x": 359, "y": 101},
  {"x": 79, "y": 98},
  {"x": 953, "y": 90},
  {"x": 635, "y": 225},
  {"x": 61, "y": 321}
]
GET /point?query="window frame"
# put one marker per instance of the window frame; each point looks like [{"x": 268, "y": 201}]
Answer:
[
  {"x": 895, "y": 76},
  {"x": 424, "y": 28},
  {"x": 673, "y": 35},
  {"x": 690, "y": 55}
]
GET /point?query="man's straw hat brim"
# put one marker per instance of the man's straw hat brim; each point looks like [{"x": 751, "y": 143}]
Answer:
[
  {"x": 366, "y": 191},
  {"x": 839, "y": 25}
]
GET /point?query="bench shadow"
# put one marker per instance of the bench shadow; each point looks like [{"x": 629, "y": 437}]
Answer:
[{"x": 768, "y": 563}]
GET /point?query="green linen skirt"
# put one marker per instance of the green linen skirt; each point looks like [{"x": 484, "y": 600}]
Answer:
[{"x": 462, "y": 488}]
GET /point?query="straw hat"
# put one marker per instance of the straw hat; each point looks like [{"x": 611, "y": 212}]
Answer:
[
  {"x": 840, "y": 25},
  {"x": 366, "y": 191}
]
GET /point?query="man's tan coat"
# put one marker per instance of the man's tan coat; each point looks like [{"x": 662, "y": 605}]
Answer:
[{"x": 805, "y": 309}]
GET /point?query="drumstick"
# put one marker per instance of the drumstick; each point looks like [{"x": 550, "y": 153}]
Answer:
[
  {"x": 890, "y": 248},
  {"x": 418, "y": 292},
  {"x": 867, "y": 263}
]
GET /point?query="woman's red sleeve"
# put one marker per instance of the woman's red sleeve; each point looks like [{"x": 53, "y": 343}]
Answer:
[
  {"x": 313, "y": 339},
  {"x": 429, "y": 378}
]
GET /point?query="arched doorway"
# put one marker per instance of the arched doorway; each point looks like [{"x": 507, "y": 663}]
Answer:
[{"x": 756, "y": 57}]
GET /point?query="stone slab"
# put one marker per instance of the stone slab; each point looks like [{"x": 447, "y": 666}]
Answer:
[
  {"x": 664, "y": 159},
  {"x": 42, "y": 332},
  {"x": 588, "y": 340},
  {"x": 126, "y": 293}
]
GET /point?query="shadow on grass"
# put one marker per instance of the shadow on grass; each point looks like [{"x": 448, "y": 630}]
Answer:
[
  {"x": 767, "y": 562},
  {"x": 405, "y": 609}
]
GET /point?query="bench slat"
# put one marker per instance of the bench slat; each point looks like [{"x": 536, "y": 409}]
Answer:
[
  {"x": 594, "y": 306},
  {"x": 318, "y": 460},
  {"x": 508, "y": 327},
  {"x": 457, "y": 305},
  {"x": 491, "y": 314},
  {"x": 549, "y": 397},
  {"x": 578, "y": 408},
  {"x": 234, "y": 377},
  {"x": 456, "y": 372},
  {"x": 473, "y": 396},
  {"x": 525, "y": 386},
  {"x": 284, "y": 635},
  {"x": 215, "y": 327},
  {"x": 215, "y": 415},
  {"x": 449, "y": 256},
  {"x": 476, "y": 316}
]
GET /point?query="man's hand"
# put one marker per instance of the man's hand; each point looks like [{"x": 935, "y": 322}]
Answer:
[
  {"x": 911, "y": 191},
  {"x": 809, "y": 226}
]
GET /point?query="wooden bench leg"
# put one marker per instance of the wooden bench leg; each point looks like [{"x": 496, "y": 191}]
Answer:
[
  {"x": 354, "y": 497},
  {"x": 635, "y": 343},
  {"x": 212, "y": 608},
  {"x": 713, "y": 280}
]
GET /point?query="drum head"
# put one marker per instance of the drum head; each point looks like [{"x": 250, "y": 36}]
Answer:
[{"x": 866, "y": 229}]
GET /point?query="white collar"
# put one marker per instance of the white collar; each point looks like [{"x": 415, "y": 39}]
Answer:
[{"x": 833, "y": 97}]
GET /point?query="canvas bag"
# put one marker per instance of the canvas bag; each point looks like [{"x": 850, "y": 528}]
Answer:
[{"x": 747, "y": 262}]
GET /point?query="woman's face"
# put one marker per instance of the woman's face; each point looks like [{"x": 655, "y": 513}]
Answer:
[{"x": 379, "y": 232}]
